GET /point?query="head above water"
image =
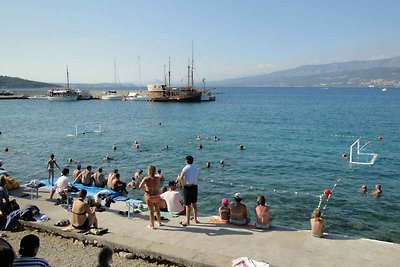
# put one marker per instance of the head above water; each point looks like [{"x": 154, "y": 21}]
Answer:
[
  {"x": 29, "y": 246},
  {"x": 189, "y": 159}
]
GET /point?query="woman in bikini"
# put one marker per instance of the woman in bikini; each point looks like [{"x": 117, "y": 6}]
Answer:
[
  {"x": 238, "y": 211},
  {"x": 50, "y": 168},
  {"x": 317, "y": 224},
  {"x": 262, "y": 214},
  {"x": 83, "y": 216},
  {"x": 150, "y": 185}
]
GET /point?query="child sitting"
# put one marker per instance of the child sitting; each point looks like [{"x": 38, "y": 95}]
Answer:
[{"x": 224, "y": 211}]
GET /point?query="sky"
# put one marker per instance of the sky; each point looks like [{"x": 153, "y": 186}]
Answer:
[{"x": 231, "y": 38}]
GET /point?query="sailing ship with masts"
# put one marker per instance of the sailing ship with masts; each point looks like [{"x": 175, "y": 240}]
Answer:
[
  {"x": 167, "y": 93},
  {"x": 62, "y": 94}
]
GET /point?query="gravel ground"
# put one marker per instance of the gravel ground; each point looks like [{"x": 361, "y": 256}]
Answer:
[{"x": 60, "y": 251}]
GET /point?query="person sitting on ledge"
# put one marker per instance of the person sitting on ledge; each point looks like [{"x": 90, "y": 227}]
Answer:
[
  {"x": 163, "y": 203},
  {"x": 85, "y": 177},
  {"x": 238, "y": 211},
  {"x": 76, "y": 172},
  {"x": 28, "y": 248},
  {"x": 224, "y": 212},
  {"x": 262, "y": 214},
  {"x": 83, "y": 216},
  {"x": 317, "y": 224},
  {"x": 174, "y": 200},
  {"x": 98, "y": 177}
]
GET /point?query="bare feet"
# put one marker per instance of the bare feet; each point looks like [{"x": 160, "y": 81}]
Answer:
[{"x": 150, "y": 227}]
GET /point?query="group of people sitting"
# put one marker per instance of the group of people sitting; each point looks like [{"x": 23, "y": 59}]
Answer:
[{"x": 236, "y": 212}]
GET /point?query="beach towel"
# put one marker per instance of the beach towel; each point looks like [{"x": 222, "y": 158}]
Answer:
[
  {"x": 246, "y": 262},
  {"x": 217, "y": 220},
  {"x": 167, "y": 214}
]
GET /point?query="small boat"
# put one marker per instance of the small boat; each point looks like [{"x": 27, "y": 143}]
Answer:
[
  {"x": 384, "y": 89},
  {"x": 134, "y": 96},
  {"x": 37, "y": 97},
  {"x": 62, "y": 94},
  {"x": 84, "y": 95},
  {"x": 111, "y": 95},
  {"x": 207, "y": 96}
]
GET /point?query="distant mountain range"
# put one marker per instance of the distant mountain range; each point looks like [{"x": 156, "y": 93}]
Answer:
[
  {"x": 7, "y": 82},
  {"x": 383, "y": 72},
  {"x": 379, "y": 73}
]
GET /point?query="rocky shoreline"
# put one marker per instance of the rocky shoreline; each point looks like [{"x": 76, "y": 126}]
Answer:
[{"x": 59, "y": 250}]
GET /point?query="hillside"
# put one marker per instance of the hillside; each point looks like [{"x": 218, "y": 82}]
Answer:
[
  {"x": 385, "y": 72},
  {"x": 7, "y": 82}
]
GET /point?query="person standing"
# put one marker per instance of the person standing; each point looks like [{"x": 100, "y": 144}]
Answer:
[
  {"x": 152, "y": 196},
  {"x": 189, "y": 180},
  {"x": 28, "y": 248},
  {"x": 50, "y": 168}
]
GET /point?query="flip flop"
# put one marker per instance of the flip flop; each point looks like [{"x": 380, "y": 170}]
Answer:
[{"x": 183, "y": 224}]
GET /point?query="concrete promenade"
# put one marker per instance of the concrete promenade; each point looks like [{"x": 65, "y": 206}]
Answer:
[{"x": 207, "y": 244}]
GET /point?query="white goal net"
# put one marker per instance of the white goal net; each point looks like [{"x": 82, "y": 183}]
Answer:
[{"x": 85, "y": 128}]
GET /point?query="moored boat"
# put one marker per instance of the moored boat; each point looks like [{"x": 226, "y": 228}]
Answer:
[
  {"x": 111, "y": 95},
  {"x": 62, "y": 94},
  {"x": 84, "y": 95},
  {"x": 134, "y": 96}
]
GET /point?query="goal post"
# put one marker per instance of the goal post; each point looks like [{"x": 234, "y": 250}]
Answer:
[{"x": 84, "y": 128}]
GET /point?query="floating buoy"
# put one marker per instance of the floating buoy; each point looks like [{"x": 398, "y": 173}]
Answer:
[{"x": 327, "y": 192}]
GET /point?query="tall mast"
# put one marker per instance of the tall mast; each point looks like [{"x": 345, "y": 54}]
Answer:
[
  {"x": 67, "y": 77},
  {"x": 115, "y": 74},
  {"x": 169, "y": 73},
  {"x": 192, "y": 65},
  {"x": 165, "y": 75},
  {"x": 140, "y": 75},
  {"x": 188, "y": 74}
]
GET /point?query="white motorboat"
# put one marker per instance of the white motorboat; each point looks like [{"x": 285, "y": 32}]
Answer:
[
  {"x": 133, "y": 96},
  {"x": 62, "y": 94},
  {"x": 384, "y": 89},
  {"x": 111, "y": 95},
  {"x": 83, "y": 95}
]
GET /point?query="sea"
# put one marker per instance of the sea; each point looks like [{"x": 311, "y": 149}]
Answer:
[{"x": 293, "y": 138}]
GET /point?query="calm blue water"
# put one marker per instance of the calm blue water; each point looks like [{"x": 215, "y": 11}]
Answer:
[{"x": 293, "y": 138}]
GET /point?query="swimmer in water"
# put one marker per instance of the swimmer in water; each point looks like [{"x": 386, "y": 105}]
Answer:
[
  {"x": 166, "y": 147},
  {"x": 216, "y": 138},
  {"x": 6, "y": 149},
  {"x": 363, "y": 189},
  {"x": 377, "y": 191},
  {"x": 114, "y": 147},
  {"x": 344, "y": 156},
  {"x": 198, "y": 138},
  {"x": 222, "y": 163},
  {"x": 208, "y": 165},
  {"x": 380, "y": 138},
  {"x": 70, "y": 160},
  {"x": 241, "y": 147},
  {"x": 200, "y": 146},
  {"x": 108, "y": 158}
]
